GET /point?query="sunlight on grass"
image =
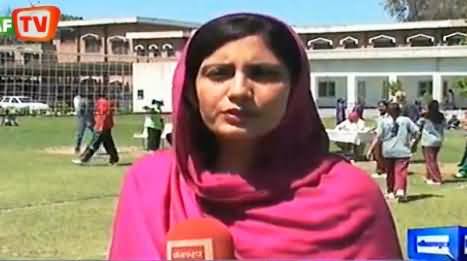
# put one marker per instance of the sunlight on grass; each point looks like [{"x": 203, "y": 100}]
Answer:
[{"x": 52, "y": 209}]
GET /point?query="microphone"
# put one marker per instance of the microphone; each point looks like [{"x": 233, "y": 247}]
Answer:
[{"x": 199, "y": 239}]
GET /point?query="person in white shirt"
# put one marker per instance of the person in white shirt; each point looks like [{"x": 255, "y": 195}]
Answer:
[
  {"x": 353, "y": 123},
  {"x": 84, "y": 119}
]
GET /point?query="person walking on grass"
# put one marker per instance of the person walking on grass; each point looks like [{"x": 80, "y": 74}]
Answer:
[
  {"x": 377, "y": 152},
  {"x": 341, "y": 107},
  {"x": 154, "y": 124},
  {"x": 462, "y": 166},
  {"x": 103, "y": 128},
  {"x": 396, "y": 133},
  {"x": 84, "y": 120},
  {"x": 432, "y": 127}
]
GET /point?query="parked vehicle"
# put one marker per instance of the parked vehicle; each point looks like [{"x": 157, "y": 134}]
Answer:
[{"x": 22, "y": 103}]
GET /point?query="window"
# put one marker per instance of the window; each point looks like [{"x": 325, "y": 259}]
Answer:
[
  {"x": 6, "y": 100},
  {"x": 67, "y": 36},
  {"x": 7, "y": 57},
  {"x": 327, "y": 89},
  {"x": 456, "y": 38},
  {"x": 382, "y": 41},
  {"x": 119, "y": 47},
  {"x": 320, "y": 43},
  {"x": 92, "y": 43},
  {"x": 140, "y": 94},
  {"x": 361, "y": 86},
  {"x": 25, "y": 99},
  {"x": 14, "y": 100},
  {"x": 168, "y": 50},
  {"x": 154, "y": 50},
  {"x": 139, "y": 49},
  {"x": 424, "y": 88},
  {"x": 30, "y": 57},
  {"x": 420, "y": 40},
  {"x": 349, "y": 42}
]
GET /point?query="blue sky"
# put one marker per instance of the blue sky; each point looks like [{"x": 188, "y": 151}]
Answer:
[{"x": 295, "y": 12}]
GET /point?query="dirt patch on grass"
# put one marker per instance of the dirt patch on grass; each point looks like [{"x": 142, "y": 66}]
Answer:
[
  {"x": 69, "y": 150},
  {"x": 447, "y": 169}
]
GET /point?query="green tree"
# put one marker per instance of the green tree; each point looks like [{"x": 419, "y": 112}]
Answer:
[
  {"x": 67, "y": 17},
  {"x": 390, "y": 88},
  {"x": 419, "y": 10},
  {"x": 461, "y": 86}
]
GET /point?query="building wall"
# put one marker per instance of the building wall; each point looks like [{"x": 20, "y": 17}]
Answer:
[
  {"x": 400, "y": 35},
  {"x": 340, "y": 91},
  {"x": 374, "y": 89},
  {"x": 155, "y": 79},
  {"x": 69, "y": 48},
  {"x": 390, "y": 65}
]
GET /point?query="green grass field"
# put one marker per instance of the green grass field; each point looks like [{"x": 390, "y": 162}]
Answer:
[{"x": 52, "y": 209}]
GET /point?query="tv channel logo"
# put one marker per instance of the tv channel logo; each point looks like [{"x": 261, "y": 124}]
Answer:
[
  {"x": 435, "y": 245},
  {"x": 31, "y": 24},
  {"x": 6, "y": 26}
]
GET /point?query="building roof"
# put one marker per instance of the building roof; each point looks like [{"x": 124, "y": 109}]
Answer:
[
  {"x": 381, "y": 27},
  {"x": 127, "y": 20},
  {"x": 157, "y": 35}
]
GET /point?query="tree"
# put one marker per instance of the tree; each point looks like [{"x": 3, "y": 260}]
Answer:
[
  {"x": 67, "y": 17},
  {"x": 461, "y": 86},
  {"x": 390, "y": 88},
  {"x": 419, "y": 10}
]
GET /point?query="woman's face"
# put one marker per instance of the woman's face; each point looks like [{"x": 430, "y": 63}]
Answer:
[{"x": 242, "y": 89}]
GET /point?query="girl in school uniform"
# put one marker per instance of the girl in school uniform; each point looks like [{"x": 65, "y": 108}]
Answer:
[
  {"x": 396, "y": 133},
  {"x": 432, "y": 126}
]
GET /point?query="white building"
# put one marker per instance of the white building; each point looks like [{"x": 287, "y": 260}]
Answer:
[{"x": 354, "y": 61}]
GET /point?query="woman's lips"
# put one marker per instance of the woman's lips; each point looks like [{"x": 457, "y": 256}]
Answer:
[{"x": 236, "y": 116}]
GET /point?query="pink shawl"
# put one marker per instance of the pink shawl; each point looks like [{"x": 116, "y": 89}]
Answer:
[{"x": 301, "y": 202}]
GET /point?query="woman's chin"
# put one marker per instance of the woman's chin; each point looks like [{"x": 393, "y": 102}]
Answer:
[{"x": 235, "y": 133}]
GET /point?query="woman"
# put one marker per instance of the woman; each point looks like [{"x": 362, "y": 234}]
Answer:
[
  {"x": 396, "y": 133},
  {"x": 249, "y": 152},
  {"x": 359, "y": 108},
  {"x": 353, "y": 123},
  {"x": 340, "y": 111},
  {"x": 432, "y": 125}
]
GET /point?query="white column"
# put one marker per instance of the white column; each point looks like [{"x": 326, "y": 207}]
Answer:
[
  {"x": 437, "y": 87},
  {"x": 314, "y": 88},
  {"x": 352, "y": 91},
  {"x": 130, "y": 46}
]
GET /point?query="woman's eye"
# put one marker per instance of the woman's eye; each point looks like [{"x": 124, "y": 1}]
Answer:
[
  {"x": 220, "y": 73},
  {"x": 265, "y": 73}
]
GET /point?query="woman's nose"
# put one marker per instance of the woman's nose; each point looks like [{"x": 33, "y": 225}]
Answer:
[{"x": 240, "y": 87}]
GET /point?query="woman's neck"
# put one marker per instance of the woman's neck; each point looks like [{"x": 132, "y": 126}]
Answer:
[{"x": 234, "y": 156}]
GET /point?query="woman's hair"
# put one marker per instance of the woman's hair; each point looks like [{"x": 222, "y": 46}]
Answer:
[
  {"x": 220, "y": 31},
  {"x": 217, "y": 33},
  {"x": 433, "y": 113},
  {"x": 383, "y": 102},
  {"x": 394, "y": 110}
]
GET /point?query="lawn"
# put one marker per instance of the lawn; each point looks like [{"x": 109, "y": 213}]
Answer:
[{"x": 52, "y": 209}]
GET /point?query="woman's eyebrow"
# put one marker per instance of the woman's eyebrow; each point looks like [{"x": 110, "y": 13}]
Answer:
[
  {"x": 206, "y": 67},
  {"x": 265, "y": 64}
]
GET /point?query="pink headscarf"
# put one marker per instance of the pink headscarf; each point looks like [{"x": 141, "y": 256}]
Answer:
[
  {"x": 299, "y": 202},
  {"x": 353, "y": 117}
]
